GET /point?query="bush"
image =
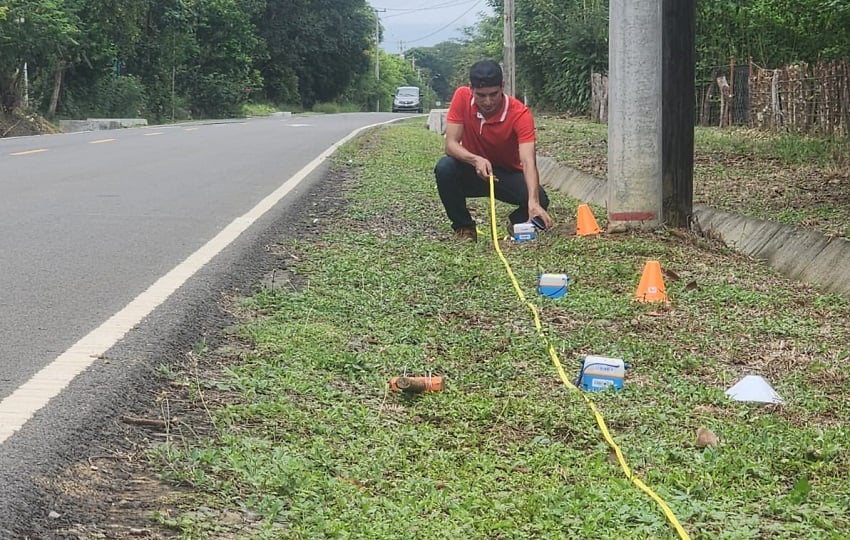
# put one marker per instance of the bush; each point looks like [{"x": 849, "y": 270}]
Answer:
[{"x": 119, "y": 97}]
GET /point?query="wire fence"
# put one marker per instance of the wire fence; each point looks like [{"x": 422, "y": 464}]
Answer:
[{"x": 804, "y": 98}]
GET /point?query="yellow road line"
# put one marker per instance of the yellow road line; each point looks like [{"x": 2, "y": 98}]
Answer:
[
  {"x": 99, "y": 141},
  {"x": 152, "y": 134},
  {"x": 25, "y": 152}
]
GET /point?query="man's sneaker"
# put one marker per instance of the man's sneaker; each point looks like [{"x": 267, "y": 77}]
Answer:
[{"x": 467, "y": 233}]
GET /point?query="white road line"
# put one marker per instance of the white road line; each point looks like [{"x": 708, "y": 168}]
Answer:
[
  {"x": 27, "y": 152},
  {"x": 190, "y": 129},
  {"x": 17, "y": 409},
  {"x": 101, "y": 141},
  {"x": 152, "y": 134}
]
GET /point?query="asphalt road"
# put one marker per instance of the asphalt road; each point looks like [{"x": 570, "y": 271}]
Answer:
[{"x": 111, "y": 241}]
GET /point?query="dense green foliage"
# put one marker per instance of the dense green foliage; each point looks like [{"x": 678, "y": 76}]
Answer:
[
  {"x": 179, "y": 58},
  {"x": 173, "y": 59},
  {"x": 559, "y": 43}
]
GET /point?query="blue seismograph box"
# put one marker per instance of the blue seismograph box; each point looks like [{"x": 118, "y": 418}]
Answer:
[
  {"x": 600, "y": 373},
  {"x": 553, "y": 285}
]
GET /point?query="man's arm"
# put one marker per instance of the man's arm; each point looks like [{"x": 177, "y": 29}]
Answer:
[
  {"x": 528, "y": 157},
  {"x": 454, "y": 134}
]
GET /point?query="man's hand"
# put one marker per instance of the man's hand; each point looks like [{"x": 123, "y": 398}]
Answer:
[
  {"x": 483, "y": 167},
  {"x": 537, "y": 210}
]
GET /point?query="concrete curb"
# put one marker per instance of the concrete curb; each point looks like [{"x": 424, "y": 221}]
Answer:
[
  {"x": 97, "y": 124},
  {"x": 804, "y": 255}
]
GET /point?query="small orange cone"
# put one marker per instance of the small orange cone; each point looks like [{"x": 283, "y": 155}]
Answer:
[
  {"x": 651, "y": 286},
  {"x": 585, "y": 222}
]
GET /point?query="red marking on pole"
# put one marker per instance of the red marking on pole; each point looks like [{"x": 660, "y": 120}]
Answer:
[{"x": 632, "y": 216}]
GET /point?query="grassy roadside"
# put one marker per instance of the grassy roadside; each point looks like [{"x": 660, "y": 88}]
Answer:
[
  {"x": 308, "y": 443},
  {"x": 803, "y": 181}
]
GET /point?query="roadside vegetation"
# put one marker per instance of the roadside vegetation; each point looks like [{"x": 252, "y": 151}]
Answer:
[
  {"x": 790, "y": 178},
  {"x": 298, "y": 436}
]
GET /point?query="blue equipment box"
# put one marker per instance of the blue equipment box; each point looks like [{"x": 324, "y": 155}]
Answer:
[
  {"x": 600, "y": 373},
  {"x": 524, "y": 232}
]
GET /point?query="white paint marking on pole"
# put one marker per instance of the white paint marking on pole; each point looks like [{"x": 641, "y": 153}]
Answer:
[{"x": 17, "y": 409}]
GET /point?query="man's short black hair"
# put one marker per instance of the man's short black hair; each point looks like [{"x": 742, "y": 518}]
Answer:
[{"x": 485, "y": 73}]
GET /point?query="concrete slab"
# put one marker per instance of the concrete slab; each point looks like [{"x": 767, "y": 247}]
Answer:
[
  {"x": 830, "y": 267},
  {"x": 95, "y": 124},
  {"x": 437, "y": 120}
]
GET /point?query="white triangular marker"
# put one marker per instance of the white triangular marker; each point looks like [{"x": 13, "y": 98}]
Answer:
[{"x": 754, "y": 388}]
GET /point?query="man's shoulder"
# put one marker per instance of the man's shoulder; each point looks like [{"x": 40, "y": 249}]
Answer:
[
  {"x": 463, "y": 94},
  {"x": 518, "y": 107},
  {"x": 459, "y": 106}
]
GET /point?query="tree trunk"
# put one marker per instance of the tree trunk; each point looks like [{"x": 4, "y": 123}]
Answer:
[
  {"x": 599, "y": 98},
  {"x": 9, "y": 98},
  {"x": 725, "y": 99},
  {"x": 57, "y": 87},
  {"x": 705, "y": 120},
  {"x": 774, "y": 100}
]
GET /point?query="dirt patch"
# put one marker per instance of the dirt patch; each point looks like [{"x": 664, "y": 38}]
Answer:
[{"x": 18, "y": 124}]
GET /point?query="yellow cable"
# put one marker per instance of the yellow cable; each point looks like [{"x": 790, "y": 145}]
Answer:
[{"x": 563, "y": 375}]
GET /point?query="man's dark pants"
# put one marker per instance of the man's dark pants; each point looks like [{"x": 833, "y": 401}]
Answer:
[{"x": 457, "y": 180}]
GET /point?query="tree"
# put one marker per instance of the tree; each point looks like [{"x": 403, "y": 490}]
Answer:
[
  {"x": 223, "y": 75},
  {"x": 559, "y": 45},
  {"x": 315, "y": 47},
  {"x": 42, "y": 34},
  {"x": 441, "y": 61}
]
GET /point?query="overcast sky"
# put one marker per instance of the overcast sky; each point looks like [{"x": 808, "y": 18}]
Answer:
[{"x": 424, "y": 23}]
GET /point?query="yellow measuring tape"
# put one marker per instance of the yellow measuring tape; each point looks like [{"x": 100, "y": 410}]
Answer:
[{"x": 552, "y": 354}]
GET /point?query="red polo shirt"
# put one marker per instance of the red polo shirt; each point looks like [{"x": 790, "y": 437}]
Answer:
[{"x": 496, "y": 138}]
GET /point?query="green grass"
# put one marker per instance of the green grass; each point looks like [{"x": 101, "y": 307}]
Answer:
[
  {"x": 791, "y": 178},
  {"x": 309, "y": 442}
]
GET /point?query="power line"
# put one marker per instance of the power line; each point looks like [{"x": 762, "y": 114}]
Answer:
[
  {"x": 446, "y": 26},
  {"x": 407, "y": 11}
]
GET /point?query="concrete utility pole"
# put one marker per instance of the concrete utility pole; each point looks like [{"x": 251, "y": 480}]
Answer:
[
  {"x": 509, "y": 49},
  {"x": 634, "y": 115},
  {"x": 678, "y": 29},
  {"x": 378, "y": 54},
  {"x": 26, "y": 98}
]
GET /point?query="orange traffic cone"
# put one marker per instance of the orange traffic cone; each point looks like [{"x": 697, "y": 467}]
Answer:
[
  {"x": 585, "y": 222},
  {"x": 651, "y": 286}
]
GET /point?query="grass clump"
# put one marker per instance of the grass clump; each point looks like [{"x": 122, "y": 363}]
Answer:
[{"x": 309, "y": 439}]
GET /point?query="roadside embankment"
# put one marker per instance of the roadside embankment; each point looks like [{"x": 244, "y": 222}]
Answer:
[{"x": 797, "y": 253}]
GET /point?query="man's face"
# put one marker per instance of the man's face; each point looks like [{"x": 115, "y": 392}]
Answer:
[{"x": 488, "y": 99}]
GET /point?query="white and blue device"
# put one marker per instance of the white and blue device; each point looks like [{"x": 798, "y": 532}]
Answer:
[
  {"x": 601, "y": 373},
  {"x": 553, "y": 285},
  {"x": 523, "y": 232}
]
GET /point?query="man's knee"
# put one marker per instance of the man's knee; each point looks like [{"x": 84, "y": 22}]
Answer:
[{"x": 447, "y": 168}]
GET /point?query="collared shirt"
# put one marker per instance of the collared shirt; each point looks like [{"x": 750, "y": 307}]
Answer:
[{"x": 496, "y": 138}]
